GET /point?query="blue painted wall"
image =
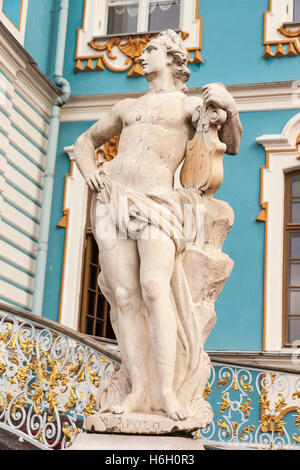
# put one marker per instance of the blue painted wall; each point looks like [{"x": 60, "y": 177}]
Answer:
[
  {"x": 12, "y": 9},
  {"x": 232, "y": 51},
  {"x": 41, "y": 33}
]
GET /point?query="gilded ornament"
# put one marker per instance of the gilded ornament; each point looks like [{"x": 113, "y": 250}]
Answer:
[
  {"x": 223, "y": 382},
  {"x": 224, "y": 425},
  {"x": 225, "y": 404},
  {"x": 18, "y": 404},
  {"x": 296, "y": 438},
  {"x": 235, "y": 426},
  {"x": 288, "y": 33},
  {"x": 72, "y": 399},
  {"x": 296, "y": 395},
  {"x": 280, "y": 405},
  {"x": 297, "y": 420},
  {"x": 110, "y": 148},
  {"x": 52, "y": 404},
  {"x": 246, "y": 387},
  {"x": 247, "y": 430},
  {"x": 3, "y": 366},
  {"x": 22, "y": 375},
  {"x": 4, "y": 336},
  {"x": 206, "y": 391},
  {"x": 37, "y": 398},
  {"x": 89, "y": 409},
  {"x": 234, "y": 385},
  {"x": 244, "y": 407}
]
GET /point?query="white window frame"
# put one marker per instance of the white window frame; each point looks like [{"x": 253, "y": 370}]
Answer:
[
  {"x": 143, "y": 12},
  {"x": 17, "y": 31},
  {"x": 282, "y": 156},
  {"x": 95, "y": 25}
]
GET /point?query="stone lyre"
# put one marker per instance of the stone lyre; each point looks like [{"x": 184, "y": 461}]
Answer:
[{"x": 203, "y": 165}]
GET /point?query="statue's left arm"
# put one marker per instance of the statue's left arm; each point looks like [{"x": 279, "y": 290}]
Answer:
[{"x": 230, "y": 133}]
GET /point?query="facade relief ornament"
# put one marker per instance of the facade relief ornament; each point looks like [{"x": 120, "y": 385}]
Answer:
[
  {"x": 281, "y": 35},
  {"x": 97, "y": 51}
]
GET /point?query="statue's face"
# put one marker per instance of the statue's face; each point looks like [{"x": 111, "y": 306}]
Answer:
[{"x": 154, "y": 58}]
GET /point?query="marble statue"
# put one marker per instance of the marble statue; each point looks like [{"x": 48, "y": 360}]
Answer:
[{"x": 161, "y": 282}]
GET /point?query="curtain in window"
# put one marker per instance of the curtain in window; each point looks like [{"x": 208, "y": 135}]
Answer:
[
  {"x": 296, "y": 10},
  {"x": 122, "y": 18},
  {"x": 164, "y": 14}
]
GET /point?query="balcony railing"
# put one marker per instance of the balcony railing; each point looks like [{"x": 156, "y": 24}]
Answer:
[{"x": 50, "y": 374}]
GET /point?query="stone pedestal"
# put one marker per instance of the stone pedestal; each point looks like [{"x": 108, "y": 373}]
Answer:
[{"x": 87, "y": 441}]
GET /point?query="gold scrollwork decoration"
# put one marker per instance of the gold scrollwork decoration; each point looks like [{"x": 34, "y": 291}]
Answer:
[
  {"x": 223, "y": 382},
  {"x": 225, "y": 404},
  {"x": 245, "y": 407},
  {"x": 224, "y": 425},
  {"x": 247, "y": 430},
  {"x": 132, "y": 50},
  {"x": 245, "y": 386}
]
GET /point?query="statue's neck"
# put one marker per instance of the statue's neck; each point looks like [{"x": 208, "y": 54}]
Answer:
[{"x": 162, "y": 83}]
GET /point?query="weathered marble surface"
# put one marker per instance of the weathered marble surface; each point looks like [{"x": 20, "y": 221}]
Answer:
[
  {"x": 86, "y": 441},
  {"x": 161, "y": 287}
]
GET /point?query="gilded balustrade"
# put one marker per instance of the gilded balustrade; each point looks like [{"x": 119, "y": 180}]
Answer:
[{"x": 49, "y": 377}]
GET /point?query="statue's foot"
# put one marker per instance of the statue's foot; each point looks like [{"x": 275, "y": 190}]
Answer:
[
  {"x": 172, "y": 407},
  {"x": 134, "y": 402}
]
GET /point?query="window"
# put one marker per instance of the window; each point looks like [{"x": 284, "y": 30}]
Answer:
[
  {"x": 296, "y": 13},
  {"x": 94, "y": 317},
  {"x": 131, "y": 16},
  {"x": 122, "y": 17},
  {"x": 291, "y": 284}
]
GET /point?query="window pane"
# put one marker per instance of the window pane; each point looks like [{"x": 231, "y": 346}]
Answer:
[
  {"x": 89, "y": 326},
  {"x": 294, "y": 329},
  {"x": 91, "y": 302},
  {"x": 122, "y": 18},
  {"x": 99, "y": 329},
  {"x": 294, "y": 302},
  {"x": 101, "y": 306},
  {"x": 93, "y": 277},
  {"x": 163, "y": 14},
  {"x": 294, "y": 277},
  {"x": 296, "y": 10},
  {"x": 294, "y": 245},
  {"x": 295, "y": 185},
  {"x": 295, "y": 210}
]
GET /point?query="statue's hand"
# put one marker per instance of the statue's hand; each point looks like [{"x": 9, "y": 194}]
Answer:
[
  {"x": 94, "y": 181},
  {"x": 216, "y": 95}
]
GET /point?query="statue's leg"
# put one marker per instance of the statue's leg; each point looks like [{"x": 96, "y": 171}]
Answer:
[
  {"x": 119, "y": 282},
  {"x": 157, "y": 262}
]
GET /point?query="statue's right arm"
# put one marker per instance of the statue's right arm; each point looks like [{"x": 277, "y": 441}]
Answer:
[{"x": 94, "y": 137}]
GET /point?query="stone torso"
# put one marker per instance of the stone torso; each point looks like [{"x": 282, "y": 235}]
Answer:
[{"x": 156, "y": 128}]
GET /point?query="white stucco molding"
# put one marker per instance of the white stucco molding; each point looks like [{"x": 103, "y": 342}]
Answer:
[
  {"x": 18, "y": 31},
  {"x": 75, "y": 211},
  {"x": 249, "y": 97},
  {"x": 282, "y": 155}
]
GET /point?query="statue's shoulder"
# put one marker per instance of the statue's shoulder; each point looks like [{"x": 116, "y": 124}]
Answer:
[
  {"x": 192, "y": 103},
  {"x": 123, "y": 105}
]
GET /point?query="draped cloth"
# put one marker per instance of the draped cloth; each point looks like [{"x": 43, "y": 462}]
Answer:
[{"x": 195, "y": 316}]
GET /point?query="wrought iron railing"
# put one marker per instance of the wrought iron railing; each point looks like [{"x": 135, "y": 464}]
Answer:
[
  {"x": 49, "y": 376},
  {"x": 253, "y": 408}
]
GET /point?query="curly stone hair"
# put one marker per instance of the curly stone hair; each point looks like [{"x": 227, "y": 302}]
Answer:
[{"x": 173, "y": 44}]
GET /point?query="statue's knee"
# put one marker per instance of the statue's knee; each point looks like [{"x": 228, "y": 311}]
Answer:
[
  {"x": 125, "y": 298},
  {"x": 151, "y": 290}
]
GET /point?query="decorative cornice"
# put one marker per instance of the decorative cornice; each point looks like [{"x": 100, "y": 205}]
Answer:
[
  {"x": 23, "y": 71},
  {"x": 286, "y": 361},
  {"x": 249, "y": 97}
]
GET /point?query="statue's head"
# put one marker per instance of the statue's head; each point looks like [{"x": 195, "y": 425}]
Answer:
[{"x": 166, "y": 50}]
